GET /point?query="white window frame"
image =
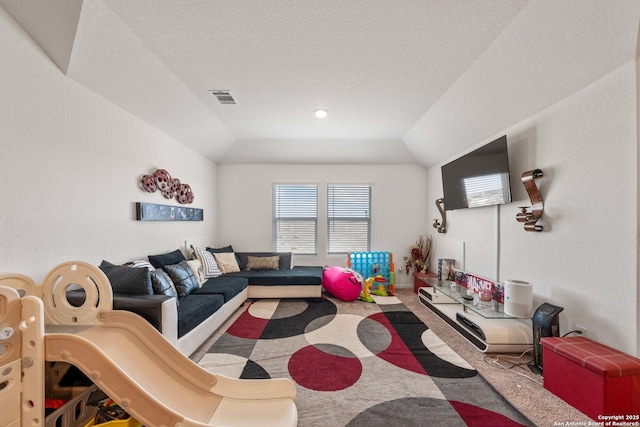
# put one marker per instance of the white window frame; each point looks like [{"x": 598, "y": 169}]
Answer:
[
  {"x": 347, "y": 207},
  {"x": 295, "y": 216}
]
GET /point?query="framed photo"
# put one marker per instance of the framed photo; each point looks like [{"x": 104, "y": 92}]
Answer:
[
  {"x": 445, "y": 268},
  {"x": 153, "y": 212}
]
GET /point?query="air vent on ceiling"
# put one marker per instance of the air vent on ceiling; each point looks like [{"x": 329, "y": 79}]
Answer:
[{"x": 224, "y": 97}]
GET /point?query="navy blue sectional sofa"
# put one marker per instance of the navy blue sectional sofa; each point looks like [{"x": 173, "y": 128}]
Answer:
[{"x": 189, "y": 318}]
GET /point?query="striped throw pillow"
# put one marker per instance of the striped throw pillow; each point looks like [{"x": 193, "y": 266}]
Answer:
[{"x": 209, "y": 265}]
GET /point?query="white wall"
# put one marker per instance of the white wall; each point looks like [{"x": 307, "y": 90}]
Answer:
[
  {"x": 70, "y": 163},
  {"x": 399, "y": 206},
  {"x": 70, "y": 166},
  {"x": 585, "y": 260}
]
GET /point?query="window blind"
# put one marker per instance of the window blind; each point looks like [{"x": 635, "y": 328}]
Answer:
[
  {"x": 349, "y": 218},
  {"x": 295, "y": 218}
]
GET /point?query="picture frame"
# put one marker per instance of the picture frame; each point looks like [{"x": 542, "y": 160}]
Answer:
[{"x": 155, "y": 212}]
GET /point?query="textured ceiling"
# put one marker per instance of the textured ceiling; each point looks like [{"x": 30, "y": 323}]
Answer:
[
  {"x": 403, "y": 81},
  {"x": 377, "y": 66}
]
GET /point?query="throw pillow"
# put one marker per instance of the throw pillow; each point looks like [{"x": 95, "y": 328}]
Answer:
[
  {"x": 159, "y": 261},
  {"x": 140, "y": 263},
  {"x": 227, "y": 262},
  {"x": 127, "y": 280},
  {"x": 183, "y": 277},
  {"x": 196, "y": 267},
  {"x": 162, "y": 284},
  {"x": 263, "y": 262},
  {"x": 221, "y": 250},
  {"x": 209, "y": 265}
]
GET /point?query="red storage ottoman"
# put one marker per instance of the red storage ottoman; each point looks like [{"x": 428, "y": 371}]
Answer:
[{"x": 596, "y": 379}]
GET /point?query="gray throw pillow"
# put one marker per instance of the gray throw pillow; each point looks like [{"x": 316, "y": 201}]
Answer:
[
  {"x": 183, "y": 278},
  {"x": 162, "y": 284},
  {"x": 159, "y": 261},
  {"x": 127, "y": 280}
]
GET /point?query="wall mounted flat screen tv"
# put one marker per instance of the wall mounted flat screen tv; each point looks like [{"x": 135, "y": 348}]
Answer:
[{"x": 478, "y": 178}]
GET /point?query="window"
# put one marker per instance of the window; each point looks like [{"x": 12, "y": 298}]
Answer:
[
  {"x": 349, "y": 218},
  {"x": 295, "y": 218}
]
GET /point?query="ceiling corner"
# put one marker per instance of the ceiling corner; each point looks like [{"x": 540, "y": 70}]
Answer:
[{"x": 52, "y": 25}]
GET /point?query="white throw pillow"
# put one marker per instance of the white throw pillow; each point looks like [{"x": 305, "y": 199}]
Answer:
[{"x": 196, "y": 266}]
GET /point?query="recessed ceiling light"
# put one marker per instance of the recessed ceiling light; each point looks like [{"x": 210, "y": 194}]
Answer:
[{"x": 321, "y": 113}]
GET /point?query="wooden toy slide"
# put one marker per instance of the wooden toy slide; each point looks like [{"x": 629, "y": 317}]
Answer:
[{"x": 125, "y": 357}]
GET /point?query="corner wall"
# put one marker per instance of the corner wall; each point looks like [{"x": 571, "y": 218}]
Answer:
[
  {"x": 586, "y": 258},
  {"x": 399, "y": 206},
  {"x": 70, "y": 166}
]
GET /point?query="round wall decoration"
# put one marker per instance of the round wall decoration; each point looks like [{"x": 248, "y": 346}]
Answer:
[{"x": 169, "y": 187}]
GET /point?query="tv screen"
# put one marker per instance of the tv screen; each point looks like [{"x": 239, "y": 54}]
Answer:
[{"x": 479, "y": 178}]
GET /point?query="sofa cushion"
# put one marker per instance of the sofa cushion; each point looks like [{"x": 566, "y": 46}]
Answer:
[
  {"x": 227, "y": 262},
  {"x": 148, "y": 306},
  {"x": 195, "y": 309},
  {"x": 284, "y": 263},
  {"x": 127, "y": 280},
  {"x": 159, "y": 261},
  {"x": 295, "y": 276},
  {"x": 162, "y": 284},
  {"x": 183, "y": 277},
  {"x": 242, "y": 274},
  {"x": 227, "y": 285},
  {"x": 262, "y": 262}
]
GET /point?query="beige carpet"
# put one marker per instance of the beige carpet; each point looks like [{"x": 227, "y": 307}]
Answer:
[
  {"x": 518, "y": 384},
  {"x": 526, "y": 394}
]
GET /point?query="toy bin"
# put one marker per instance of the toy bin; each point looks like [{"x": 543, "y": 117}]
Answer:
[
  {"x": 75, "y": 412},
  {"x": 112, "y": 415},
  {"x": 595, "y": 379},
  {"x": 129, "y": 422}
]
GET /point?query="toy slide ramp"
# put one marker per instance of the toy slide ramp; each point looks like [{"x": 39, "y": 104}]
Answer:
[
  {"x": 155, "y": 383},
  {"x": 122, "y": 354}
]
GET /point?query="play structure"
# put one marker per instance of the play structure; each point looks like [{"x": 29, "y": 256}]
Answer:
[
  {"x": 378, "y": 286},
  {"x": 122, "y": 354},
  {"x": 378, "y": 281}
]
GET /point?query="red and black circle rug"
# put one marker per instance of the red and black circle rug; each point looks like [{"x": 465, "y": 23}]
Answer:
[{"x": 358, "y": 364}]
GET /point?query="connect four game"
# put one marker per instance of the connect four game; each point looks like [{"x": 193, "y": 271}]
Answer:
[{"x": 370, "y": 264}]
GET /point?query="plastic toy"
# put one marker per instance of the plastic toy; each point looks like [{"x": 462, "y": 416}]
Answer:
[
  {"x": 370, "y": 264},
  {"x": 366, "y": 295},
  {"x": 122, "y": 354},
  {"x": 343, "y": 283},
  {"x": 380, "y": 291}
]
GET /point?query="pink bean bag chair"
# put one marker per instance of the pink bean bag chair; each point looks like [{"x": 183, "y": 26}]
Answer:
[{"x": 343, "y": 283}]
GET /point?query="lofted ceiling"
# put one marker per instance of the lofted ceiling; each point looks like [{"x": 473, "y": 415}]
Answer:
[{"x": 403, "y": 81}]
